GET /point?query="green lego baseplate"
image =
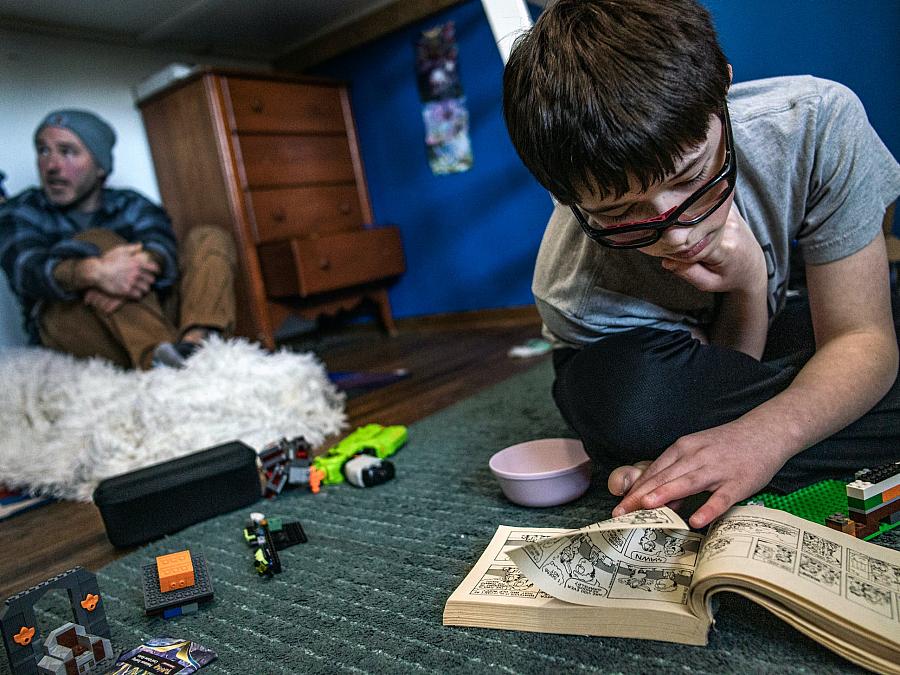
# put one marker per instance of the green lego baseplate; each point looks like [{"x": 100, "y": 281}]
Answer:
[{"x": 815, "y": 503}]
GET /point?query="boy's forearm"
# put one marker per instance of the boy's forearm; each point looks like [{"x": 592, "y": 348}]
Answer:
[
  {"x": 742, "y": 322},
  {"x": 837, "y": 386}
]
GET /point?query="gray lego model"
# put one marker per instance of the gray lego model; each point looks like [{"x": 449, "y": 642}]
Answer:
[{"x": 71, "y": 647}]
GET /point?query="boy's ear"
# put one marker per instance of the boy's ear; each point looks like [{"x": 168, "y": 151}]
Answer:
[{"x": 730, "y": 75}]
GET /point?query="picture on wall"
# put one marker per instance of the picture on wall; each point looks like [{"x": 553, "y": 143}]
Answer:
[{"x": 444, "y": 108}]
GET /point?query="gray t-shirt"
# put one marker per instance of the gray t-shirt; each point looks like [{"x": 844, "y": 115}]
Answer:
[{"x": 810, "y": 169}]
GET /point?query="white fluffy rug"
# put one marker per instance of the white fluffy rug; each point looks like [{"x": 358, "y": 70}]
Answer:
[{"x": 66, "y": 424}]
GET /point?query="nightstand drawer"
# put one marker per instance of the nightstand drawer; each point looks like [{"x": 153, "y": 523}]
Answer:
[
  {"x": 270, "y": 161},
  {"x": 285, "y": 107},
  {"x": 303, "y": 267},
  {"x": 285, "y": 213}
]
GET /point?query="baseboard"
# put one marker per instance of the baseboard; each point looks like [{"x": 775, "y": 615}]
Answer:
[{"x": 481, "y": 318}]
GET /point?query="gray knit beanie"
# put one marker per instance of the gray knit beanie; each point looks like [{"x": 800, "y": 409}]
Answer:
[{"x": 97, "y": 136}]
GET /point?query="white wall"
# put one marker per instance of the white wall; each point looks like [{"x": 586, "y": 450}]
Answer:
[{"x": 39, "y": 74}]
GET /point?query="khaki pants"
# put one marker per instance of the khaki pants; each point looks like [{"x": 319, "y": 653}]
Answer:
[{"x": 204, "y": 297}]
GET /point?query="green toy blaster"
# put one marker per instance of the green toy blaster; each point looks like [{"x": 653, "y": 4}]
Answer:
[{"x": 372, "y": 439}]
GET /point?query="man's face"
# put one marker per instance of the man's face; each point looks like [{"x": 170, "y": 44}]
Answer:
[
  {"x": 688, "y": 244},
  {"x": 68, "y": 171}
]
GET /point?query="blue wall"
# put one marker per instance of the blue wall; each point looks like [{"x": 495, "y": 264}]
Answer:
[{"x": 471, "y": 238}]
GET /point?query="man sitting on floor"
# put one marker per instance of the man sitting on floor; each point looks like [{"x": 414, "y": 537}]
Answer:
[{"x": 96, "y": 270}]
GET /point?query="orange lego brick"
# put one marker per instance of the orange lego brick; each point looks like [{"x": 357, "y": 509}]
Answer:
[{"x": 175, "y": 571}]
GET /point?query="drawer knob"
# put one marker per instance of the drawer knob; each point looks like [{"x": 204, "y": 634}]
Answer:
[
  {"x": 256, "y": 105},
  {"x": 278, "y": 216},
  {"x": 324, "y": 263},
  {"x": 344, "y": 208}
]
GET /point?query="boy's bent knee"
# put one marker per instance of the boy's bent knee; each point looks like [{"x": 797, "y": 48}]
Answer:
[{"x": 618, "y": 392}]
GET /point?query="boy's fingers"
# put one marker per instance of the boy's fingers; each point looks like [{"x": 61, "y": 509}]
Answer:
[
  {"x": 622, "y": 478},
  {"x": 715, "y": 506}
]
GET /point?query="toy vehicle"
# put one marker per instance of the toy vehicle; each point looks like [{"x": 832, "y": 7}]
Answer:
[{"x": 372, "y": 439}]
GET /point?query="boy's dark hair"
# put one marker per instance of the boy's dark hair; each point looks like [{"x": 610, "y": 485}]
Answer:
[{"x": 599, "y": 89}]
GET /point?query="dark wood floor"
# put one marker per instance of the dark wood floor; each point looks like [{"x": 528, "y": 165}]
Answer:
[{"x": 449, "y": 357}]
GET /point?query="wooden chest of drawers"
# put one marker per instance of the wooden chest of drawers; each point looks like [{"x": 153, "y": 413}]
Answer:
[{"x": 275, "y": 160}]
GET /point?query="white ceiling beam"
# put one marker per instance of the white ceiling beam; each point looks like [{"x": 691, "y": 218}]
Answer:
[{"x": 507, "y": 18}]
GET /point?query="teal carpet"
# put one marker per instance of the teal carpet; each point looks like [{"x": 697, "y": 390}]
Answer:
[{"x": 366, "y": 593}]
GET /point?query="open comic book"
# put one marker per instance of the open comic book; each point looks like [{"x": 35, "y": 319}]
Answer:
[{"x": 646, "y": 575}]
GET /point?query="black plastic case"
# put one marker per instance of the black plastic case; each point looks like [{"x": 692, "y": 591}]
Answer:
[{"x": 163, "y": 498}]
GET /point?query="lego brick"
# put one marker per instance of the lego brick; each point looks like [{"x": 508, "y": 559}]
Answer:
[
  {"x": 156, "y": 602},
  {"x": 890, "y": 494},
  {"x": 870, "y": 482},
  {"x": 883, "y": 473},
  {"x": 175, "y": 571},
  {"x": 841, "y": 523},
  {"x": 874, "y": 516},
  {"x": 190, "y": 608},
  {"x": 853, "y": 511},
  {"x": 865, "y": 504}
]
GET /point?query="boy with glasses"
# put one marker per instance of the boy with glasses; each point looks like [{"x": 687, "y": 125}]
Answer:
[{"x": 682, "y": 201}]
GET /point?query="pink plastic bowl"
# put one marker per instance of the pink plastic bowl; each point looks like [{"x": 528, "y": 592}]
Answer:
[{"x": 546, "y": 472}]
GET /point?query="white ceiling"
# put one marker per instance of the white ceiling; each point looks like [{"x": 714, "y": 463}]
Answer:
[{"x": 258, "y": 29}]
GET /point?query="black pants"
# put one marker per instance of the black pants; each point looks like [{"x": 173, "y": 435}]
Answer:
[{"x": 633, "y": 394}]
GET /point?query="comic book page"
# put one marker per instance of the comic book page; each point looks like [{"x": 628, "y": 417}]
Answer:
[
  {"x": 496, "y": 593},
  {"x": 806, "y": 565},
  {"x": 643, "y": 557},
  {"x": 496, "y": 577}
]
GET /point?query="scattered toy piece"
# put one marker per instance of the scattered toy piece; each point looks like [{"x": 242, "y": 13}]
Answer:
[
  {"x": 18, "y": 623},
  {"x": 533, "y": 347},
  {"x": 70, "y": 649},
  {"x": 179, "y": 600},
  {"x": 268, "y": 536},
  {"x": 874, "y": 497},
  {"x": 175, "y": 571},
  {"x": 372, "y": 439},
  {"x": 164, "y": 655},
  {"x": 350, "y": 380},
  {"x": 366, "y": 471},
  {"x": 284, "y": 462}
]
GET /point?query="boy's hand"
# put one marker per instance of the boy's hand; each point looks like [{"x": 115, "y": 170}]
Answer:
[
  {"x": 732, "y": 461},
  {"x": 737, "y": 263}
]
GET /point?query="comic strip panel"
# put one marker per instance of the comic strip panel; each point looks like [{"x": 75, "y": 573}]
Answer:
[
  {"x": 771, "y": 530},
  {"x": 663, "y": 546},
  {"x": 506, "y": 581},
  {"x": 723, "y": 545},
  {"x": 775, "y": 554},
  {"x": 582, "y": 566},
  {"x": 876, "y": 571},
  {"x": 543, "y": 544},
  {"x": 870, "y": 596},
  {"x": 652, "y": 583},
  {"x": 828, "y": 550},
  {"x": 817, "y": 571}
]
